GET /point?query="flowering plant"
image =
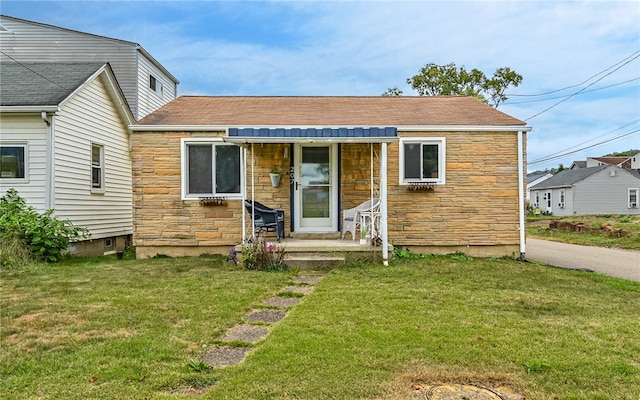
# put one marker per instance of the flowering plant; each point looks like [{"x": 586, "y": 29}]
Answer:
[{"x": 263, "y": 256}]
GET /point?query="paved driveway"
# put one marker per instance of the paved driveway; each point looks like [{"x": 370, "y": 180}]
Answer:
[{"x": 613, "y": 262}]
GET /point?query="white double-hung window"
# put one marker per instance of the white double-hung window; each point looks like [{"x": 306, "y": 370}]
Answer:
[
  {"x": 211, "y": 168},
  {"x": 422, "y": 160},
  {"x": 97, "y": 168},
  {"x": 633, "y": 195}
]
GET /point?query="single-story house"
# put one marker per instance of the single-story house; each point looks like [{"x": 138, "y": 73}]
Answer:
[
  {"x": 605, "y": 189},
  {"x": 64, "y": 145},
  {"x": 449, "y": 171},
  {"x": 533, "y": 179}
]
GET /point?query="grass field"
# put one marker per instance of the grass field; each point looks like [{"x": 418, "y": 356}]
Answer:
[
  {"x": 109, "y": 329},
  {"x": 538, "y": 227}
]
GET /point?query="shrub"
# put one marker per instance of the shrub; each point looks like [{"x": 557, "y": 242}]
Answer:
[
  {"x": 43, "y": 235},
  {"x": 263, "y": 256}
]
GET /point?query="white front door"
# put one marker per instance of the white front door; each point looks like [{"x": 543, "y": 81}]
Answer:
[{"x": 316, "y": 188}]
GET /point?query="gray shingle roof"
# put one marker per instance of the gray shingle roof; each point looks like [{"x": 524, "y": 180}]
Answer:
[
  {"x": 41, "y": 84},
  {"x": 535, "y": 175},
  {"x": 568, "y": 177}
]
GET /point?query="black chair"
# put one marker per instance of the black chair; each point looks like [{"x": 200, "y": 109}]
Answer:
[{"x": 266, "y": 219}]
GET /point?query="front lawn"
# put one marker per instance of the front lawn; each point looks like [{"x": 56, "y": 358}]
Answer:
[
  {"x": 128, "y": 329},
  {"x": 594, "y": 235}
]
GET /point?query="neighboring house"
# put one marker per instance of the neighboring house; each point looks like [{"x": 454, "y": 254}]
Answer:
[
  {"x": 578, "y": 165},
  {"x": 626, "y": 162},
  {"x": 605, "y": 189},
  {"x": 535, "y": 178},
  {"x": 64, "y": 145},
  {"x": 146, "y": 84},
  {"x": 449, "y": 171}
]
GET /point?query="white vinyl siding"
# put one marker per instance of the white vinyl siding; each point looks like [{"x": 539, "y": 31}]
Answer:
[
  {"x": 41, "y": 43},
  {"x": 31, "y": 132},
  {"x": 152, "y": 99},
  {"x": 89, "y": 118}
]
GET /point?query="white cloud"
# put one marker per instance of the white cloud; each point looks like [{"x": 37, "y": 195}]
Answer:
[{"x": 362, "y": 48}]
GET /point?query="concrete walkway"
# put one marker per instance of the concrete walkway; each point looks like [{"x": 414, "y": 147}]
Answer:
[{"x": 623, "y": 264}]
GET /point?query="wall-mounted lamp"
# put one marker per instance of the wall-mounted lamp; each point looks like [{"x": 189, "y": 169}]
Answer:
[{"x": 286, "y": 152}]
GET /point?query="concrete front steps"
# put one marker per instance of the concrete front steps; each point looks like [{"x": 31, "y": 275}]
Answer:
[{"x": 324, "y": 251}]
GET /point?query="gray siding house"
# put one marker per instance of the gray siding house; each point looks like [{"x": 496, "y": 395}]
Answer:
[
  {"x": 146, "y": 84},
  {"x": 64, "y": 145},
  {"x": 605, "y": 189}
]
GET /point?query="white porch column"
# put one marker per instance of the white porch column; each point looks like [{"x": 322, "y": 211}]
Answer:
[
  {"x": 243, "y": 161},
  {"x": 383, "y": 204}
]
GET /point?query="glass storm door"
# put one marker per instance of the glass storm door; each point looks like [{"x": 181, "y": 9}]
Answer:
[{"x": 315, "y": 191}]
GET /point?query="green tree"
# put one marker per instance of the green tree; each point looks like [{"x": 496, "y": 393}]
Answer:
[{"x": 449, "y": 80}]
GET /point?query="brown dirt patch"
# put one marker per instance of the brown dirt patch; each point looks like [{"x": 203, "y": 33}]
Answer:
[{"x": 417, "y": 380}]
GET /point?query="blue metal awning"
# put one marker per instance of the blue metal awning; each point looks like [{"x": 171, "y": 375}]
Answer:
[{"x": 291, "y": 135}]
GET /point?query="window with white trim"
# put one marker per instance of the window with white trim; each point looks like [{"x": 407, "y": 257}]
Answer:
[
  {"x": 632, "y": 196},
  {"x": 13, "y": 161},
  {"x": 562, "y": 196},
  {"x": 422, "y": 160},
  {"x": 97, "y": 167},
  {"x": 210, "y": 168}
]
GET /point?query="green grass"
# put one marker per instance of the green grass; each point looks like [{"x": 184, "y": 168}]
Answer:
[
  {"x": 366, "y": 331},
  {"x": 538, "y": 227}
]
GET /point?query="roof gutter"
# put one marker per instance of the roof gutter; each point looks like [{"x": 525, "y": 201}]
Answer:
[
  {"x": 408, "y": 128},
  {"x": 28, "y": 109}
]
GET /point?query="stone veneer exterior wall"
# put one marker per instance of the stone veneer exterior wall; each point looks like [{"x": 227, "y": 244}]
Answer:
[{"x": 475, "y": 212}]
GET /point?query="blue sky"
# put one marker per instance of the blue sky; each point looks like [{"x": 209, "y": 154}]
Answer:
[{"x": 589, "y": 49}]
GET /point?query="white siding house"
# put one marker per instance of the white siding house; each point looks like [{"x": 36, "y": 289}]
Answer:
[
  {"x": 135, "y": 69},
  {"x": 68, "y": 125},
  {"x": 605, "y": 189}
]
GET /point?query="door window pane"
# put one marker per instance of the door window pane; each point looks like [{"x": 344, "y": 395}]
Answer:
[{"x": 315, "y": 166}]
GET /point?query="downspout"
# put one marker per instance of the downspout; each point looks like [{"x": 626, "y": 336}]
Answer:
[
  {"x": 521, "y": 190},
  {"x": 243, "y": 154},
  {"x": 383, "y": 204},
  {"x": 253, "y": 197},
  {"x": 49, "y": 173}
]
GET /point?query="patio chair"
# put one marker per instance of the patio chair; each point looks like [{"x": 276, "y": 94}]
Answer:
[
  {"x": 265, "y": 218},
  {"x": 351, "y": 217}
]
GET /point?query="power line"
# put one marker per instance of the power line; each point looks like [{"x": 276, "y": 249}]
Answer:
[
  {"x": 591, "y": 140},
  {"x": 541, "y": 160},
  {"x": 634, "y": 55},
  {"x": 583, "y": 89},
  {"x": 559, "y": 97}
]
